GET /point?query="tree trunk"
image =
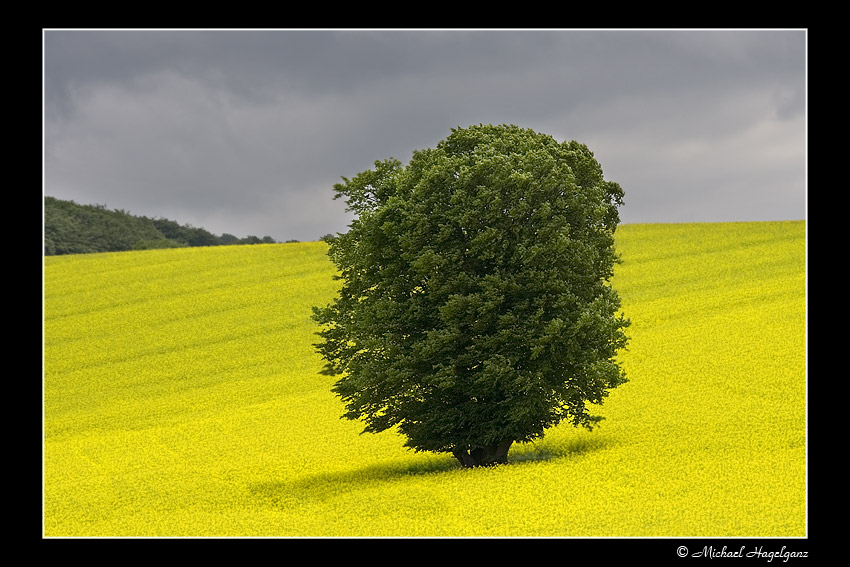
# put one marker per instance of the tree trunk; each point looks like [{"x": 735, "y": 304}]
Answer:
[{"x": 494, "y": 454}]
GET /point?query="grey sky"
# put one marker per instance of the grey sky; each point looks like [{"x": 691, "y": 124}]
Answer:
[{"x": 246, "y": 131}]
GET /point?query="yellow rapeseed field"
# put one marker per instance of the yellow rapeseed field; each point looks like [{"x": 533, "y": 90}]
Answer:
[{"x": 182, "y": 397}]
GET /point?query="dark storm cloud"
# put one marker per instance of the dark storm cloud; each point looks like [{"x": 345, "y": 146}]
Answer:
[{"x": 246, "y": 131}]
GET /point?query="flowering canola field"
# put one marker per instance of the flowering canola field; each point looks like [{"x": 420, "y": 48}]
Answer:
[{"x": 182, "y": 397}]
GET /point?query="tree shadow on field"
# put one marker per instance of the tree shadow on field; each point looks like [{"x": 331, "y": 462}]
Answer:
[
  {"x": 547, "y": 450},
  {"x": 324, "y": 486}
]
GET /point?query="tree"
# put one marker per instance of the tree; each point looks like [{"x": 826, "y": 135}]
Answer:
[
  {"x": 475, "y": 309},
  {"x": 228, "y": 239}
]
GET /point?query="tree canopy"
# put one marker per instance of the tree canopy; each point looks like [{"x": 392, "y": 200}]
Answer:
[{"x": 475, "y": 308}]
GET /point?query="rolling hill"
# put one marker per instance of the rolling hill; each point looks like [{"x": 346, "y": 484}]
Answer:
[{"x": 183, "y": 397}]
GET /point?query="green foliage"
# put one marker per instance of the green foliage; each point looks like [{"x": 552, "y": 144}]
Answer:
[
  {"x": 475, "y": 309},
  {"x": 70, "y": 228},
  {"x": 157, "y": 244},
  {"x": 188, "y": 235}
]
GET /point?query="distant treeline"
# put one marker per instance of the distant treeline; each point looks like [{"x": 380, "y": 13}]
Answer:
[{"x": 70, "y": 228}]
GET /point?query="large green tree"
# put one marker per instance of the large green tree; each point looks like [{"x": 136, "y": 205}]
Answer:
[{"x": 475, "y": 308}]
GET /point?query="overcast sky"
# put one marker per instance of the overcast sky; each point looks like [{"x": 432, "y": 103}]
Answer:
[{"x": 246, "y": 132}]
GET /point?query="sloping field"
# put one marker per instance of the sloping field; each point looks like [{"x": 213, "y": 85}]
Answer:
[{"x": 182, "y": 398}]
